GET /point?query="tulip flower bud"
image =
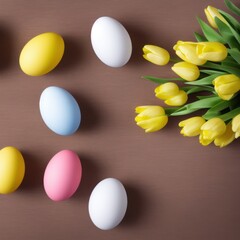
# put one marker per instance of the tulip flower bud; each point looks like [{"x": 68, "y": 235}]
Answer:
[
  {"x": 226, "y": 85},
  {"x": 192, "y": 126},
  {"x": 211, "y": 13},
  {"x": 178, "y": 99},
  {"x": 187, "y": 52},
  {"x": 211, "y": 51},
  {"x": 156, "y": 55},
  {"x": 210, "y": 130},
  {"x": 166, "y": 90},
  {"x": 187, "y": 71},
  {"x": 236, "y": 125},
  {"x": 226, "y": 138},
  {"x": 151, "y": 118}
]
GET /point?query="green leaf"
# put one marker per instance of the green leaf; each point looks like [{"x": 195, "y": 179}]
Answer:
[
  {"x": 232, "y": 7},
  {"x": 235, "y": 53},
  {"x": 210, "y": 72},
  {"x": 227, "y": 64},
  {"x": 230, "y": 36},
  {"x": 227, "y": 69},
  {"x": 195, "y": 89},
  {"x": 199, "y": 37},
  {"x": 195, "y": 106},
  {"x": 209, "y": 115},
  {"x": 230, "y": 115},
  {"x": 204, "y": 81},
  {"x": 169, "y": 111},
  {"x": 183, "y": 112},
  {"x": 230, "y": 63},
  {"x": 224, "y": 105},
  {"x": 210, "y": 34},
  {"x": 231, "y": 20},
  {"x": 204, "y": 103},
  {"x": 203, "y": 97},
  {"x": 156, "y": 80},
  {"x": 229, "y": 59},
  {"x": 220, "y": 106},
  {"x": 161, "y": 80}
]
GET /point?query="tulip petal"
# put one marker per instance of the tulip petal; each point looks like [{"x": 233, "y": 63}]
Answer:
[
  {"x": 213, "y": 128},
  {"x": 225, "y": 97},
  {"x": 156, "y": 55},
  {"x": 210, "y": 18},
  {"x": 236, "y": 125},
  {"x": 226, "y": 85},
  {"x": 151, "y": 118},
  {"x": 156, "y": 59},
  {"x": 191, "y": 126},
  {"x": 187, "y": 71},
  {"x": 140, "y": 109},
  {"x": 177, "y": 100},
  {"x": 187, "y": 52},
  {"x": 203, "y": 141},
  {"x": 211, "y": 13},
  {"x": 166, "y": 90},
  {"x": 154, "y": 124},
  {"x": 211, "y": 51},
  {"x": 226, "y": 138}
]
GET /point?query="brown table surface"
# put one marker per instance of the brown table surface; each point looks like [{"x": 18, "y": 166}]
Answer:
[{"x": 177, "y": 189}]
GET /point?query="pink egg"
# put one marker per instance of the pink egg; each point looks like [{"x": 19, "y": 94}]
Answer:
[{"x": 62, "y": 175}]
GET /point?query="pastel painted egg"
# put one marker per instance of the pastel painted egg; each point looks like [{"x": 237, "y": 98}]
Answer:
[
  {"x": 108, "y": 204},
  {"x": 59, "y": 110},
  {"x": 62, "y": 175},
  {"x": 111, "y": 42},
  {"x": 12, "y": 169},
  {"x": 41, "y": 54}
]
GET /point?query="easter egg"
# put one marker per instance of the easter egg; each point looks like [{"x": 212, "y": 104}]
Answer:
[
  {"x": 111, "y": 42},
  {"x": 41, "y": 54},
  {"x": 108, "y": 204},
  {"x": 12, "y": 169},
  {"x": 59, "y": 110},
  {"x": 62, "y": 175}
]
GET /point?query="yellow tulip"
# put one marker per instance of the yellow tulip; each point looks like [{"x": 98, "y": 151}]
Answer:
[
  {"x": 211, "y": 13},
  {"x": 192, "y": 126},
  {"x": 177, "y": 100},
  {"x": 236, "y": 125},
  {"x": 211, "y": 51},
  {"x": 187, "y": 71},
  {"x": 187, "y": 51},
  {"x": 210, "y": 130},
  {"x": 151, "y": 118},
  {"x": 226, "y": 138},
  {"x": 166, "y": 90},
  {"x": 226, "y": 85},
  {"x": 156, "y": 55}
]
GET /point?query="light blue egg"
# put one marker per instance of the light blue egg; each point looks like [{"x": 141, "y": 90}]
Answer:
[{"x": 59, "y": 110}]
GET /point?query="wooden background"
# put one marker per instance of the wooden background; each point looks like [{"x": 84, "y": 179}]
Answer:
[{"x": 177, "y": 189}]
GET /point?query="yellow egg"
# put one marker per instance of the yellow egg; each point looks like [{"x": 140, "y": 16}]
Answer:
[
  {"x": 41, "y": 54},
  {"x": 12, "y": 169}
]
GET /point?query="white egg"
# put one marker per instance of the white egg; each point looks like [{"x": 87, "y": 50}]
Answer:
[
  {"x": 108, "y": 203},
  {"x": 111, "y": 42}
]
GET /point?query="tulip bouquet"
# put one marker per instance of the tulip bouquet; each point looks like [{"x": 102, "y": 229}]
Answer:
[{"x": 208, "y": 68}]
